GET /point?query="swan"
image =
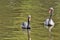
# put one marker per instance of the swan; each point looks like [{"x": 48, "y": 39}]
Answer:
[
  {"x": 49, "y": 23},
  {"x": 26, "y": 25}
]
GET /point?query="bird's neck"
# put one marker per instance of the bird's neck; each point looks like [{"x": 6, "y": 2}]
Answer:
[
  {"x": 28, "y": 22},
  {"x": 50, "y": 16}
]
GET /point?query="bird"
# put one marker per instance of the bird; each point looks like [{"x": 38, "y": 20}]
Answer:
[
  {"x": 49, "y": 23},
  {"x": 26, "y": 25}
]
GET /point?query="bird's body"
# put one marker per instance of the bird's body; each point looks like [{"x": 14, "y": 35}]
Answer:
[
  {"x": 25, "y": 25},
  {"x": 49, "y": 23}
]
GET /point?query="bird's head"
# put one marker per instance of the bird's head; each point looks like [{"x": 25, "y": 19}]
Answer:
[
  {"x": 29, "y": 17},
  {"x": 51, "y": 10}
]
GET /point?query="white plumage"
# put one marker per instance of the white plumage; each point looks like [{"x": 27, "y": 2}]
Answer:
[
  {"x": 50, "y": 22},
  {"x": 24, "y": 25}
]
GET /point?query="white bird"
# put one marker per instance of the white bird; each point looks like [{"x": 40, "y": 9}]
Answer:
[
  {"x": 49, "y": 23},
  {"x": 26, "y": 25}
]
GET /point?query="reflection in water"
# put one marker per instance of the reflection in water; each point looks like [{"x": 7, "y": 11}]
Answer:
[
  {"x": 27, "y": 32},
  {"x": 50, "y": 36}
]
